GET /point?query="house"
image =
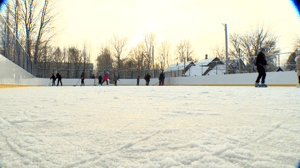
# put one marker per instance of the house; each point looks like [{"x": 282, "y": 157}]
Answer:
[{"x": 178, "y": 69}]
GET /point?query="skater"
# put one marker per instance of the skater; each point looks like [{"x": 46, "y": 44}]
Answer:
[
  {"x": 116, "y": 78},
  {"x": 260, "y": 64},
  {"x": 147, "y": 78},
  {"x": 138, "y": 81},
  {"x": 298, "y": 67},
  {"x": 82, "y": 78},
  {"x": 105, "y": 78},
  {"x": 58, "y": 76},
  {"x": 100, "y": 80},
  {"x": 53, "y": 79},
  {"x": 161, "y": 78}
]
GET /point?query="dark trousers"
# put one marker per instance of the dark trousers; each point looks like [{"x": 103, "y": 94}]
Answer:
[
  {"x": 299, "y": 79},
  {"x": 53, "y": 82},
  {"x": 261, "y": 74},
  {"x": 160, "y": 82},
  {"x": 138, "y": 83},
  {"x": 115, "y": 83},
  {"x": 59, "y": 80},
  {"x": 100, "y": 82},
  {"x": 82, "y": 82},
  {"x": 106, "y": 82},
  {"x": 147, "y": 83}
]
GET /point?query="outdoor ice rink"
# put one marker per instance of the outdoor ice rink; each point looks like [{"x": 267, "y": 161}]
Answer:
[{"x": 168, "y": 126}]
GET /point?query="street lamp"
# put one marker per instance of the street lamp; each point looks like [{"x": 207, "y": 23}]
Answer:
[{"x": 226, "y": 44}]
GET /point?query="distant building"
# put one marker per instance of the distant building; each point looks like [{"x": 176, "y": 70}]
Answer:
[{"x": 200, "y": 68}]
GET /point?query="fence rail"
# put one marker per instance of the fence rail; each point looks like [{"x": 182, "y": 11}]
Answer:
[{"x": 12, "y": 49}]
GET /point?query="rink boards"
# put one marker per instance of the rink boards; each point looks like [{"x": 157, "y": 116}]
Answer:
[{"x": 11, "y": 75}]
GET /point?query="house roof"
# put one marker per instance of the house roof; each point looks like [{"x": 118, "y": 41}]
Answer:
[
  {"x": 175, "y": 67},
  {"x": 196, "y": 71},
  {"x": 205, "y": 62}
]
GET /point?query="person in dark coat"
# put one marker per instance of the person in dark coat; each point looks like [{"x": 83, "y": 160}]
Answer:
[
  {"x": 116, "y": 78},
  {"x": 161, "y": 78},
  {"x": 53, "y": 79},
  {"x": 100, "y": 80},
  {"x": 147, "y": 78},
  {"x": 58, "y": 76},
  {"x": 138, "y": 81},
  {"x": 260, "y": 64},
  {"x": 82, "y": 78}
]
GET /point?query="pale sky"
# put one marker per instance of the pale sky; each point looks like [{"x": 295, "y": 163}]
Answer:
[{"x": 200, "y": 21}]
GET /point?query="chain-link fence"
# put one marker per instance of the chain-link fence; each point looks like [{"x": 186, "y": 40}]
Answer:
[{"x": 11, "y": 48}]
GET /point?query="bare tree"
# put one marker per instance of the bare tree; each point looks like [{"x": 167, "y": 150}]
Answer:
[
  {"x": 218, "y": 51},
  {"x": 149, "y": 42},
  {"x": 164, "y": 53},
  {"x": 248, "y": 46},
  {"x": 104, "y": 60},
  {"x": 184, "y": 50},
  {"x": 119, "y": 43},
  {"x": 138, "y": 55}
]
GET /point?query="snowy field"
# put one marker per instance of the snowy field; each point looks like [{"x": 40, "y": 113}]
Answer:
[{"x": 153, "y": 126}]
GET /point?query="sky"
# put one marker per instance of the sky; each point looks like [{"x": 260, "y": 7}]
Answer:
[
  {"x": 170, "y": 126},
  {"x": 200, "y": 21}
]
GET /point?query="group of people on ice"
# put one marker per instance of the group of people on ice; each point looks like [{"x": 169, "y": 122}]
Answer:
[
  {"x": 260, "y": 65},
  {"x": 58, "y": 77}
]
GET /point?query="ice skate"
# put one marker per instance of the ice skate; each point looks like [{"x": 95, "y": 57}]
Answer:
[{"x": 263, "y": 85}]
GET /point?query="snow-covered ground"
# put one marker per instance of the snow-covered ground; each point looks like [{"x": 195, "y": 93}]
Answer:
[{"x": 151, "y": 126}]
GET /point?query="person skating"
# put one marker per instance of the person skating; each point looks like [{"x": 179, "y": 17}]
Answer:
[
  {"x": 82, "y": 78},
  {"x": 105, "y": 78},
  {"x": 116, "y": 78},
  {"x": 53, "y": 79},
  {"x": 138, "y": 81},
  {"x": 147, "y": 78},
  {"x": 260, "y": 64},
  {"x": 100, "y": 80},
  {"x": 58, "y": 76},
  {"x": 161, "y": 78},
  {"x": 298, "y": 67}
]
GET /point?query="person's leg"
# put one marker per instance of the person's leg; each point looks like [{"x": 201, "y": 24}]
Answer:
[
  {"x": 263, "y": 71},
  {"x": 259, "y": 74},
  {"x": 299, "y": 79}
]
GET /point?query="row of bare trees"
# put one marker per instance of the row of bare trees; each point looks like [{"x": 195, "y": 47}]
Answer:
[
  {"x": 148, "y": 53},
  {"x": 32, "y": 22},
  {"x": 244, "y": 47}
]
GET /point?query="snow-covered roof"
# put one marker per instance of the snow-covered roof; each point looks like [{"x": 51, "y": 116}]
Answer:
[
  {"x": 204, "y": 62},
  {"x": 195, "y": 71},
  {"x": 175, "y": 67}
]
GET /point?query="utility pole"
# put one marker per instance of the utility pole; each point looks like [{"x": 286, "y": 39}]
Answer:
[
  {"x": 153, "y": 60},
  {"x": 226, "y": 44},
  {"x": 239, "y": 60}
]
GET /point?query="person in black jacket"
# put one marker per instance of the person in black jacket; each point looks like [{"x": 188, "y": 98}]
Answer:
[
  {"x": 100, "y": 80},
  {"x": 161, "y": 78},
  {"x": 260, "y": 64},
  {"x": 82, "y": 78},
  {"x": 53, "y": 79},
  {"x": 58, "y": 76},
  {"x": 147, "y": 78}
]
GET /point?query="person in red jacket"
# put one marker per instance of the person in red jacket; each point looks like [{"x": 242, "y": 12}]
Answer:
[
  {"x": 138, "y": 80},
  {"x": 105, "y": 78}
]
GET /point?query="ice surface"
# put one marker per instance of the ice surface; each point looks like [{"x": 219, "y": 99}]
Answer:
[{"x": 149, "y": 127}]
